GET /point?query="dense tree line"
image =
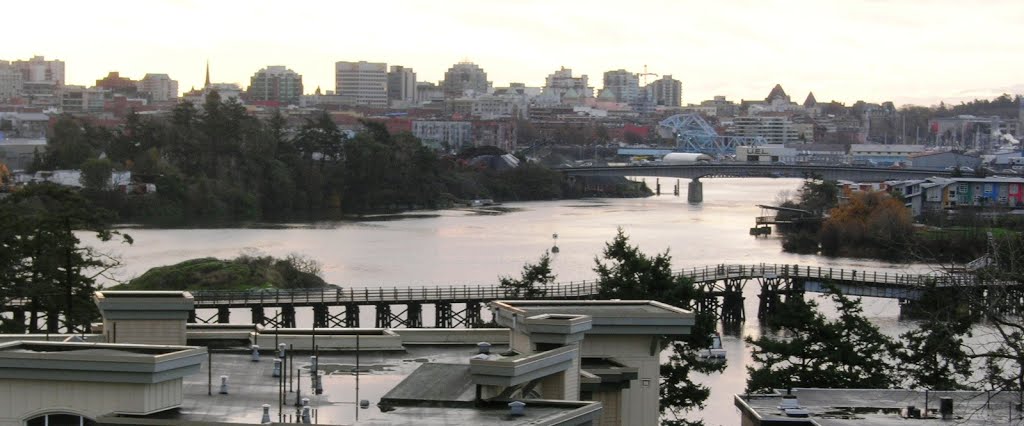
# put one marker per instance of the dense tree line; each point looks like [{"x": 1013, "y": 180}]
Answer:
[{"x": 217, "y": 164}]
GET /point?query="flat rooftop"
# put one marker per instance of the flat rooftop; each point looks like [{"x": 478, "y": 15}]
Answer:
[
  {"x": 846, "y": 407},
  {"x": 251, "y": 386},
  {"x": 596, "y": 308},
  {"x": 608, "y": 316}
]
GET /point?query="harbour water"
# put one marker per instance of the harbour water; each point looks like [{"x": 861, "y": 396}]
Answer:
[{"x": 473, "y": 247}]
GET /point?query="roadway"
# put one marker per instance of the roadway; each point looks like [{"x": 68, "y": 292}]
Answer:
[{"x": 697, "y": 171}]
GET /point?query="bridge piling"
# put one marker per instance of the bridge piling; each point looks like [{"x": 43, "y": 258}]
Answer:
[
  {"x": 732, "y": 301},
  {"x": 443, "y": 315},
  {"x": 352, "y": 315},
  {"x": 223, "y": 315},
  {"x": 288, "y": 316},
  {"x": 473, "y": 314},
  {"x": 52, "y": 321},
  {"x": 695, "y": 191},
  {"x": 320, "y": 314},
  {"x": 33, "y": 318},
  {"x": 258, "y": 316},
  {"x": 414, "y": 315},
  {"x": 383, "y": 315},
  {"x": 18, "y": 318}
]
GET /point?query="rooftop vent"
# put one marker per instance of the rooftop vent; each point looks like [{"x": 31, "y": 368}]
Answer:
[
  {"x": 797, "y": 412},
  {"x": 946, "y": 408},
  {"x": 789, "y": 401},
  {"x": 516, "y": 408},
  {"x": 913, "y": 412}
]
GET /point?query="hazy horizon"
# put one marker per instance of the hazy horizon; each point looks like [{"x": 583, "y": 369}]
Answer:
[{"x": 910, "y": 52}]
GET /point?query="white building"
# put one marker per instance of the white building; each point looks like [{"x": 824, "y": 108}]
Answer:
[
  {"x": 561, "y": 362},
  {"x": 158, "y": 87},
  {"x": 447, "y": 135},
  {"x": 362, "y": 83},
  {"x": 563, "y": 86},
  {"x": 775, "y": 129},
  {"x": 401, "y": 86}
]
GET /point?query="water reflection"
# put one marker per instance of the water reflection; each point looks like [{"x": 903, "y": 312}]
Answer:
[{"x": 464, "y": 247}]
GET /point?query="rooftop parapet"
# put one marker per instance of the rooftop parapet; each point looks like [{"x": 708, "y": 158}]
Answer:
[{"x": 145, "y": 317}]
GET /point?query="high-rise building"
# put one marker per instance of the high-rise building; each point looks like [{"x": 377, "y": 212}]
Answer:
[
  {"x": 463, "y": 77},
  {"x": 276, "y": 83},
  {"x": 623, "y": 85},
  {"x": 158, "y": 87},
  {"x": 41, "y": 78},
  {"x": 116, "y": 84},
  {"x": 401, "y": 86},
  {"x": 666, "y": 91},
  {"x": 362, "y": 83},
  {"x": 562, "y": 83},
  {"x": 10, "y": 81}
]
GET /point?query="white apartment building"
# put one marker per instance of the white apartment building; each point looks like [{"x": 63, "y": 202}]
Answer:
[
  {"x": 450, "y": 135},
  {"x": 562, "y": 84},
  {"x": 159, "y": 87},
  {"x": 362, "y": 83},
  {"x": 776, "y": 130}
]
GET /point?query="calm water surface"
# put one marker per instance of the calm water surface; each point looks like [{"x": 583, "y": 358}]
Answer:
[{"x": 463, "y": 247}]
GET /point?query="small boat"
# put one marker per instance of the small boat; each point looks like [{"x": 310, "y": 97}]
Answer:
[
  {"x": 481, "y": 202},
  {"x": 715, "y": 351}
]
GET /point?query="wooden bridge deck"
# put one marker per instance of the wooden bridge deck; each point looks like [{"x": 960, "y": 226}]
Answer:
[{"x": 871, "y": 283}]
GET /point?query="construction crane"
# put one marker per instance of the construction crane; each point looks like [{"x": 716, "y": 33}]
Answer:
[{"x": 645, "y": 74}]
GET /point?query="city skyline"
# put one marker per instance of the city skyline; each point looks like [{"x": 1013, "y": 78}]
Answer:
[{"x": 914, "y": 51}]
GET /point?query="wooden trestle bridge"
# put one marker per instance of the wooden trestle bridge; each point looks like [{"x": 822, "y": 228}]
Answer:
[{"x": 460, "y": 306}]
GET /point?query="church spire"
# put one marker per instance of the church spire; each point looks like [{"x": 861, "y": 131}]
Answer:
[{"x": 207, "y": 74}]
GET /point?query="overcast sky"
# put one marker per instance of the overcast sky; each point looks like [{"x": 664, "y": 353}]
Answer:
[{"x": 912, "y": 51}]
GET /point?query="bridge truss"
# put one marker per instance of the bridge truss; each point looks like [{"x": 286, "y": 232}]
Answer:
[{"x": 693, "y": 134}]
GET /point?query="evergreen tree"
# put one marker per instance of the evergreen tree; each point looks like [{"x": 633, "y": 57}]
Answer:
[
  {"x": 814, "y": 352},
  {"x": 626, "y": 273},
  {"x": 44, "y": 259},
  {"x": 533, "y": 275}
]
